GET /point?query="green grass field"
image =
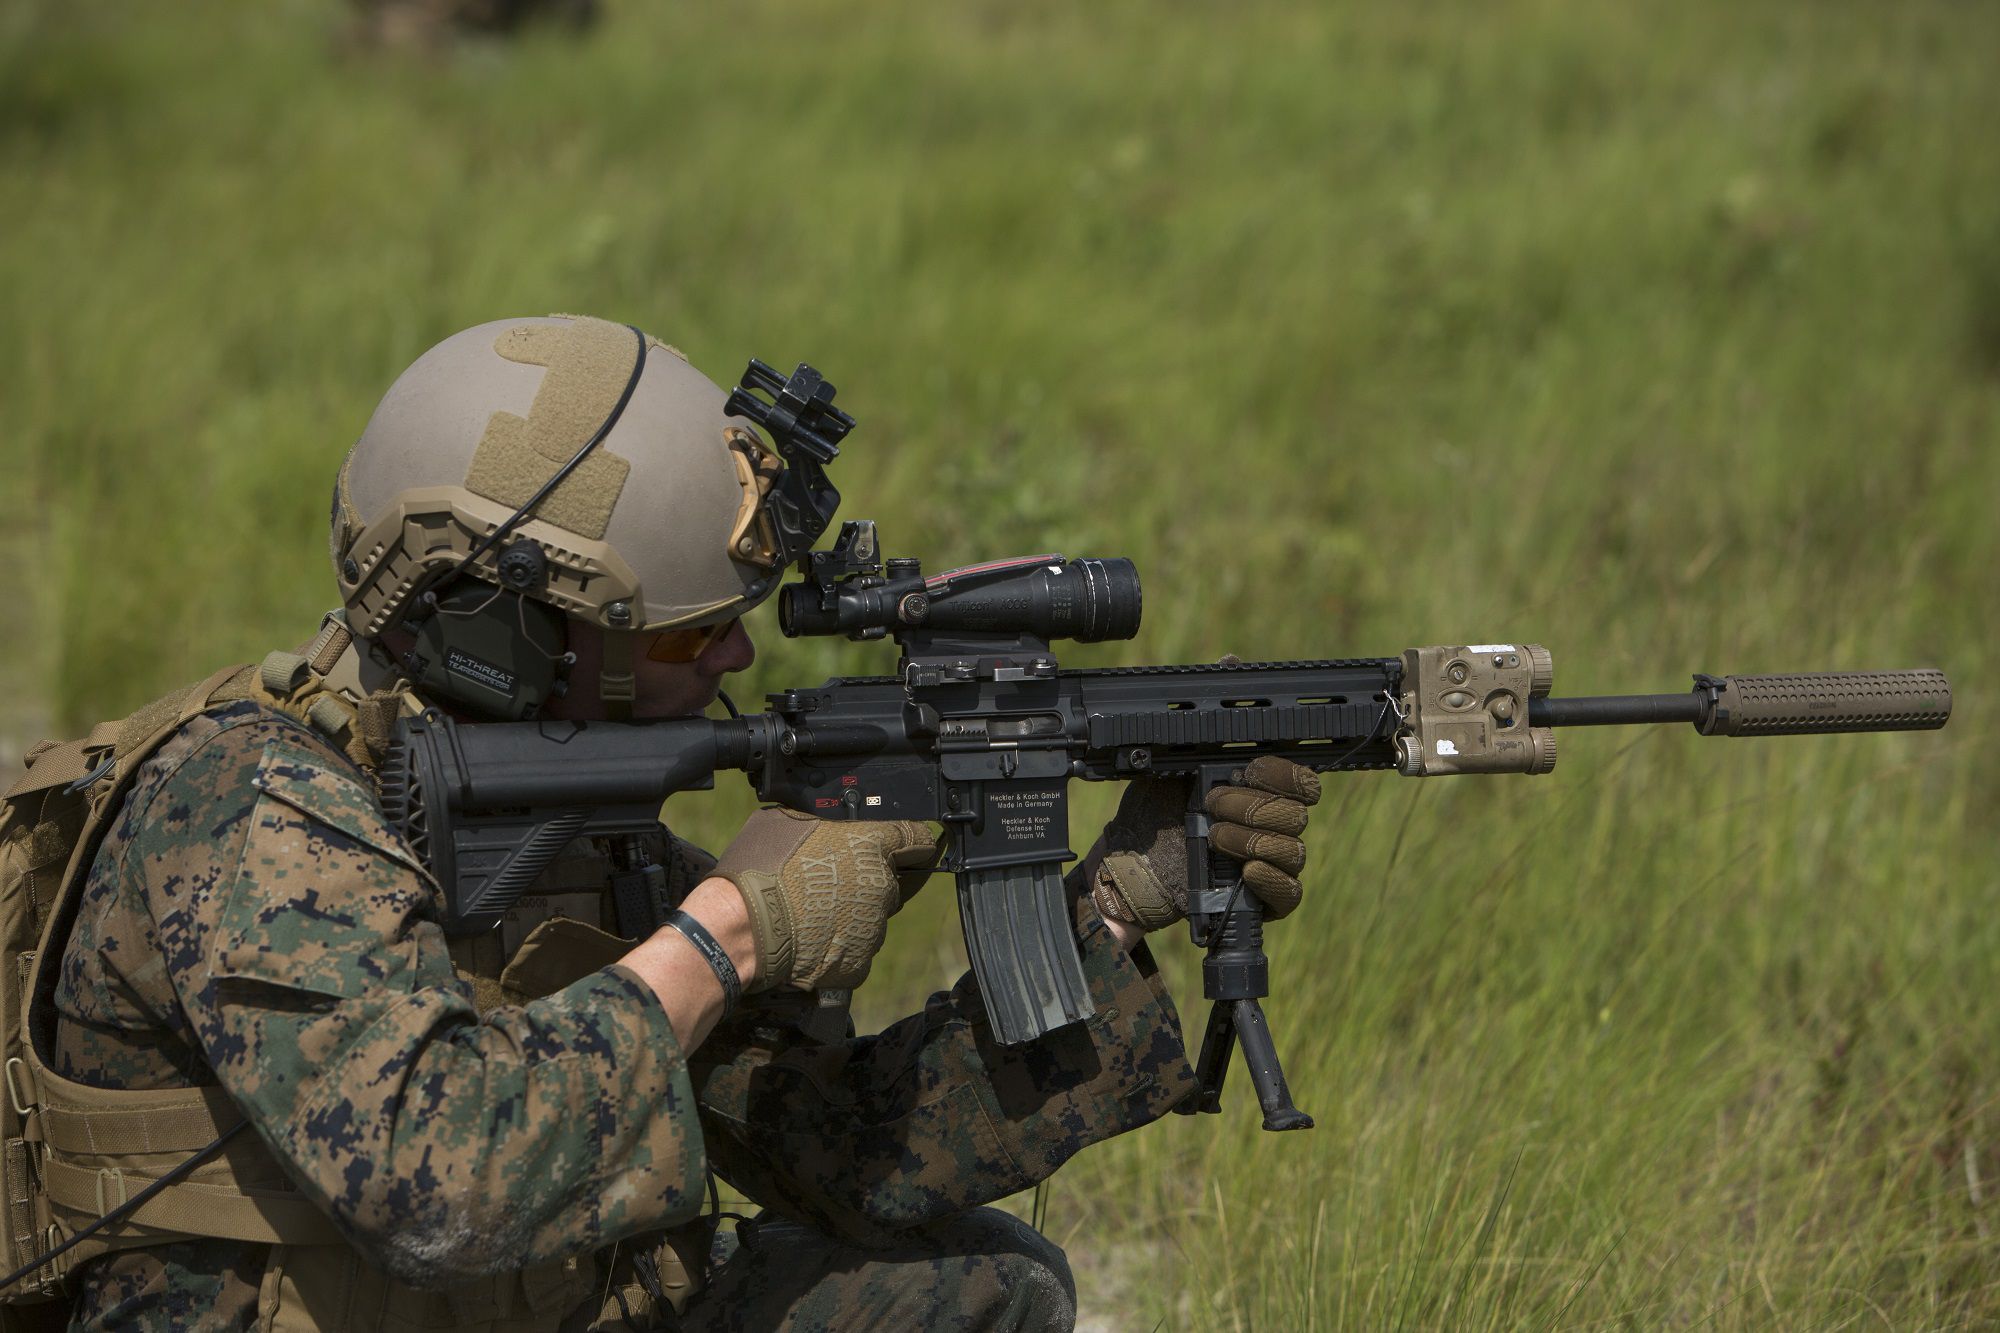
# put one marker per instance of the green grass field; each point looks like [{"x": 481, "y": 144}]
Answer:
[{"x": 1666, "y": 336}]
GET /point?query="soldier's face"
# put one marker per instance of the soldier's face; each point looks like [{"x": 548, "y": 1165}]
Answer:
[{"x": 660, "y": 689}]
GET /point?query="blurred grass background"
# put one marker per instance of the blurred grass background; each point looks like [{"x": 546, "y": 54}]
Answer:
[{"x": 1666, "y": 336}]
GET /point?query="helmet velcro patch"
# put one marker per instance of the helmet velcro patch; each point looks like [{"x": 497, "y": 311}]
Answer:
[{"x": 589, "y": 362}]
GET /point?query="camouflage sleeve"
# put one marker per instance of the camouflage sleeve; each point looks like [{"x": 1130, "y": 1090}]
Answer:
[
  {"x": 870, "y": 1136},
  {"x": 299, "y": 935}
]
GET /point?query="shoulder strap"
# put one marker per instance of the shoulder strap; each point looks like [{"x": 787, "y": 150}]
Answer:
[
  {"x": 61, "y": 764},
  {"x": 133, "y": 737},
  {"x": 145, "y": 730},
  {"x": 310, "y": 685}
]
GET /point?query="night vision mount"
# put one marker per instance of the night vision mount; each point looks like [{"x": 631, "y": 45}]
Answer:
[{"x": 797, "y": 412}]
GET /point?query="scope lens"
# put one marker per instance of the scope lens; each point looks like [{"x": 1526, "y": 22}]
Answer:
[
  {"x": 797, "y": 609},
  {"x": 1114, "y": 602}
]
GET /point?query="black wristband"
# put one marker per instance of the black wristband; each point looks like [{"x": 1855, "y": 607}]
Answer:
[{"x": 704, "y": 943}]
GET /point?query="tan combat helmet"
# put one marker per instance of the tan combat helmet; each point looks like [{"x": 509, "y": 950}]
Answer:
[{"x": 533, "y": 468}]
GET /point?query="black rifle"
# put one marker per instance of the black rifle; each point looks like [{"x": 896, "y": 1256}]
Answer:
[{"x": 981, "y": 731}]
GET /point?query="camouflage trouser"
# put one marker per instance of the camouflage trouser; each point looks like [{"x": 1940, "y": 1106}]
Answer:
[{"x": 983, "y": 1270}]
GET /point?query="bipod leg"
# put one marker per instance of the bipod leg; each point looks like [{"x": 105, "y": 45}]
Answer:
[
  {"x": 1213, "y": 1065},
  {"x": 1274, "y": 1095}
]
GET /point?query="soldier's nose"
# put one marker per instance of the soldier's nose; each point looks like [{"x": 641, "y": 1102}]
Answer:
[{"x": 734, "y": 651}]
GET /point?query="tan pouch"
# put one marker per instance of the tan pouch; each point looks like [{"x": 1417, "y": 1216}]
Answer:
[{"x": 558, "y": 953}]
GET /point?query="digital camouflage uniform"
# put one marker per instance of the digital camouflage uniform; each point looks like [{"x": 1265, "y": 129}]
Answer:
[{"x": 252, "y": 920}]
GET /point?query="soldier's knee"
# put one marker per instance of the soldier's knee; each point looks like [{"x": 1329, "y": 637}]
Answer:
[
  {"x": 981, "y": 1270},
  {"x": 1016, "y": 1278}
]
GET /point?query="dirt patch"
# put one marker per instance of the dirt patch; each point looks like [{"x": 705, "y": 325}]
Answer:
[{"x": 1110, "y": 1281}]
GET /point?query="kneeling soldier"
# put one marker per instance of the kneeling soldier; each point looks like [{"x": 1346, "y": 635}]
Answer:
[{"x": 515, "y": 1130}]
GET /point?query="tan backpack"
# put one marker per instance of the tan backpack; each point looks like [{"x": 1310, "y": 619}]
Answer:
[
  {"x": 70, "y": 1153},
  {"x": 74, "y": 1153}
]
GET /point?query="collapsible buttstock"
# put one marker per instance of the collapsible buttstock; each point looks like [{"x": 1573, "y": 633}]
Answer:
[{"x": 495, "y": 863}]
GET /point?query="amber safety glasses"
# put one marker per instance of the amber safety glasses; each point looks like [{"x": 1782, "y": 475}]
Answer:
[{"x": 684, "y": 645}]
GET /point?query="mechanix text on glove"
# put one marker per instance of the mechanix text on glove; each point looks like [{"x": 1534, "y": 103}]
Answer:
[{"x": 820, "y": 892}]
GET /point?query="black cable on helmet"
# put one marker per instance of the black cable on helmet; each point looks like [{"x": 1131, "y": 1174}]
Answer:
[
  {"x": 500, "y": 533},
  {"x": 422, "y": 601}
]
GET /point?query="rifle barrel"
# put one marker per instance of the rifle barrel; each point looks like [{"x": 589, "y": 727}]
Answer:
[{"x": 1616, "y": 710}]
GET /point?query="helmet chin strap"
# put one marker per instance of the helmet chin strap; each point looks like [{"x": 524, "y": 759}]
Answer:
[{"x": 614, "y": 680}]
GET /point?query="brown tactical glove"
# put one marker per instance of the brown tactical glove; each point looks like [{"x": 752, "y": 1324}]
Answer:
[
  {"x": 1142, "y": 873},
  {"x": 820, "y": 892}
]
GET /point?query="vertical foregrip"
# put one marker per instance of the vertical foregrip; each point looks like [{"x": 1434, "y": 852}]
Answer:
[{"x": 1228, "y": 921}]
